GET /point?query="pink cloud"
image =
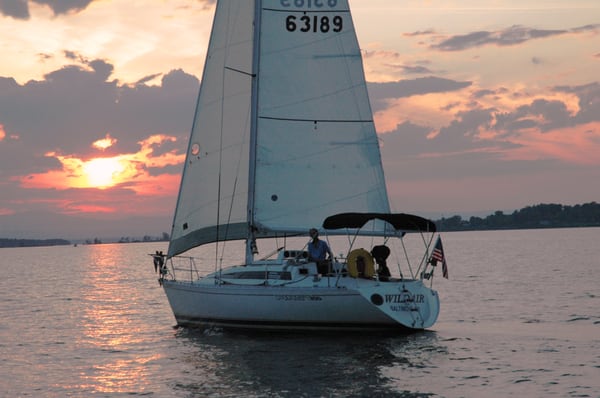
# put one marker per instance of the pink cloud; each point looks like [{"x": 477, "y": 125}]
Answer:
[{"x": 577, "y": 145}]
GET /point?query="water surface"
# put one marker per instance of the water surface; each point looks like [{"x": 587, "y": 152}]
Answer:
[{"x": 519, "y": 317}]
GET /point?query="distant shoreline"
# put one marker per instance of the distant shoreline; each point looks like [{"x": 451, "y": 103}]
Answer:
[
  {"x": 15, "y": 243},
  {"x": 541, "y": 216},
  {"x": 7, "y": 242}
]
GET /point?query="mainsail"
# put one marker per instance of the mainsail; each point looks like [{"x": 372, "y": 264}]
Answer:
[{"x": 281, "y": 141}]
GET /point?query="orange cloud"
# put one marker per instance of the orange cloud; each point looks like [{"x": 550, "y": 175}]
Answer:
[
  {"x": 161, "y": 185},
  {"x": 432, "y": 110},
  {"x": 2, "y": 132},
  {"x": 104, "y": 143},
  {"x": 436, "y": 110}
]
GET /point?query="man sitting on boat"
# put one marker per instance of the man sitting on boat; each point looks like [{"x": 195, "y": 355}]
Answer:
[{"x": 317, "y": 251}]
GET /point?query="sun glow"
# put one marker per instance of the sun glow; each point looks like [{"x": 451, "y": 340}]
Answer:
[
  {"x": 114, "y": 177},
  {"x": 103, "y": 172}
]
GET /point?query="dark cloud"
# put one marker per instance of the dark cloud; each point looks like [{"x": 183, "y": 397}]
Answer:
[
  {"x": 536, "y": 61},
  {"x": 15, "y": 8},
  {"x": 426, "y": 32},
  {"x": 589, "y": 101},
  {"x": 510, "y": 36},
  {"x": 64, "y": 6},
  {"x": 417, "y": 69},
  {"x": 20, "y": 8},
  {"x": 587, "y": 28},
  {"x": 546, "y": 115},
  {"x": 412, "y": 153},
  {"x": 74, "y": 106},
  {"x": 542, "y": 114},
  {"x": 379, "y": 92},
  {"x": 483, "y": 93},
  {"x": 513, "y": 35}
]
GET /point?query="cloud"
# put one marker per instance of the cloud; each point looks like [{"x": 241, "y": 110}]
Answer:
[
  {"x": 19, "y": 9},
  {"x": 507, "y": 37},
  {"x": 78, "y": 129},
  {"x": 510, "y": 36},
  {"x": 419, "y": 86},
  {"x": 414, "y": 69},
  {"x": 499, "y": 125},
  {"x": 386, "y": 66},
  {"x": 392, "y": 59},
  {"x": 380, "y": 93},
  {"x": 589, "y": 101},
  {"x": 427, "y": 32},
  {"x": 65, "y": 6}
]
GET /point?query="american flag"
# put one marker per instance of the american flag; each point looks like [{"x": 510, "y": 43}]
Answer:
[{"x": 438, "y": 255}]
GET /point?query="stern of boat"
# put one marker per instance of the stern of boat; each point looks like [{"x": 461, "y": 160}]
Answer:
[{"x": 409, "y": 303}]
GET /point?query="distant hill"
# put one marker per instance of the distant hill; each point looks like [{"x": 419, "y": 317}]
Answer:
[
  {"x": 32, "y": 242},
  {"x": 538, "y": 216}
]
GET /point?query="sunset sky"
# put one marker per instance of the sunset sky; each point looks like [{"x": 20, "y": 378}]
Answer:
[{"x": 480, "y": 106}]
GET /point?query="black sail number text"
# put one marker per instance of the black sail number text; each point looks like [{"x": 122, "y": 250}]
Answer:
[{"x": 314, "y": 23}]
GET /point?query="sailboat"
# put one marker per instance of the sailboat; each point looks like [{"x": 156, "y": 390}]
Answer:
[{"x": 283, "y": 140}]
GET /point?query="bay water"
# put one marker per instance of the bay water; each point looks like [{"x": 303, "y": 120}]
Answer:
[{"x": 520, "y": 317}]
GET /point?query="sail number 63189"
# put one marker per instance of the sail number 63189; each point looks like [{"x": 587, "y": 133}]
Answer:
[{"x": 314, "y": 23}]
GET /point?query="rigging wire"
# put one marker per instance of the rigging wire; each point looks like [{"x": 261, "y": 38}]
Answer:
[
  {"x": 220, "y": 257},
  {"x": 218, "y": 264}
]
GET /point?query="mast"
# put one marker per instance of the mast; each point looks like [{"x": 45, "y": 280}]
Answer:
[{"x": 251, "y": 239}]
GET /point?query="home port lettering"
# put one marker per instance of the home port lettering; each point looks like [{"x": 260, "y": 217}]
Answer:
[
  {"x": 298, "y": 297},
  {"x": 313, "y": 23}
]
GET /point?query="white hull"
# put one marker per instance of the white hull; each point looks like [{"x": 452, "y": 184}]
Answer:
[{"x": 354, "y": 304}]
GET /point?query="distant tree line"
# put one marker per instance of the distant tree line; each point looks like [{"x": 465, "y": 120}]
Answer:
[
  {"x": 12, "y": 242},
  {"x": 32, "y": 242},
  {"x": 147, "y": 238},
  {"x": 538, "y": 216}
]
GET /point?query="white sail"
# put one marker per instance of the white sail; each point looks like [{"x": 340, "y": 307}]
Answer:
[
  {"x": 317, "y": 150},
  {"x": 314, "y": 148},
  {"x": 214, "y": 186}
]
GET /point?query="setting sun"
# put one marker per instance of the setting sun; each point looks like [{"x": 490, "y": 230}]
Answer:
[
  {"x": 125, "y": 171},
  {"x": 102, "y": 172}
]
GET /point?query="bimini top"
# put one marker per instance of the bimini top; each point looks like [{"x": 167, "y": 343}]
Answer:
[{"x": 400, "y": 221}]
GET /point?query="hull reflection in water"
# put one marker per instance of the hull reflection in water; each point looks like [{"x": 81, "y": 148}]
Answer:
[{"x": 259, "y": 364}]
